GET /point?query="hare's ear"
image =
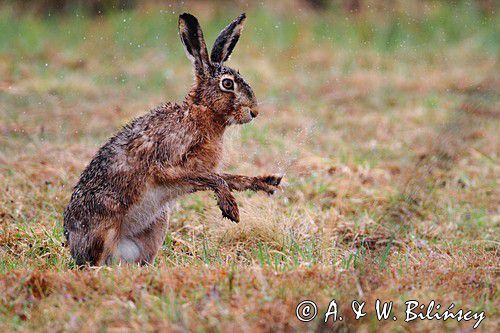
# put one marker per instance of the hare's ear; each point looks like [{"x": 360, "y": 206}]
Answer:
[
  {"x": 194, "y": 44},
  {"x": 224, "y": 44}
]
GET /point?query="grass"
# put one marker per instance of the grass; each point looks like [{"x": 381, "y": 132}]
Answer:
[{"x": 384, "y": 123}]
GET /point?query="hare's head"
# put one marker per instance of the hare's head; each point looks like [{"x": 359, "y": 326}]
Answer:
[{"x": 220, "y": 88}]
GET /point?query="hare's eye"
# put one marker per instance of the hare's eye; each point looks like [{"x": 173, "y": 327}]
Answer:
[{"x": 228, "y": 84}]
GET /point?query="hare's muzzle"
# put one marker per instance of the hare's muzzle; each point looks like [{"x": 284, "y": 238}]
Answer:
[{"x": 254, "y": 112}]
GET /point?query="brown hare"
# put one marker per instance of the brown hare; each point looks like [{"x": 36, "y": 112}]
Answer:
[{"x": 119, "y": 209}]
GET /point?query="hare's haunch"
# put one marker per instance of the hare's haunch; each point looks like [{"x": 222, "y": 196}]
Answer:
[{"x": 120, "y": 208}]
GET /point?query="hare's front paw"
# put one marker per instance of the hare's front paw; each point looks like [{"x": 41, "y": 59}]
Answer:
[
  {"x": 228, "y": 206},
  {"x": 273, "y": 180},
  {"x": 268, "y": 183}
]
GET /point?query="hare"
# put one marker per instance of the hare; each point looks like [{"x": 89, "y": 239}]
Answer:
[{"x": 120, "y": 207}]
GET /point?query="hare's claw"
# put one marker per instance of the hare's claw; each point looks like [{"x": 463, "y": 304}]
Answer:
[
  {"x": 273, "y": 180},
  {"x": 229, "y": 207},
  {"x": 268, "y": 183}
]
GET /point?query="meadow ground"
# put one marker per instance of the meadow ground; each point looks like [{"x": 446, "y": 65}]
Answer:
[{"x": 385, "y": 126}]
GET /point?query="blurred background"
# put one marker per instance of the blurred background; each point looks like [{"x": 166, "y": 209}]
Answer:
[
  {"x": 91, "y": 56},
  {"x": 383, "y": 116}
]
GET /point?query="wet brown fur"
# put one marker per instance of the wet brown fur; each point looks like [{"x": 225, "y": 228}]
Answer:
[{"x": 120, "y": 208}]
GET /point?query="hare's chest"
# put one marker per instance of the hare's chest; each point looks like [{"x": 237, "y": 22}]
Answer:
[{"x": 206, "y": 158}]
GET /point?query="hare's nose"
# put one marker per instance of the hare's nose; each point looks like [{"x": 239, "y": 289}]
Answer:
[{"x": 254, "y": 112}]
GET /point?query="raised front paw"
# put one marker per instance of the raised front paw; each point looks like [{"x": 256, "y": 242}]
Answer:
[
  {"x": 268, "y": 183},
  {"x": 228, "y": 206},
  {"x": 273, "y": 180}
]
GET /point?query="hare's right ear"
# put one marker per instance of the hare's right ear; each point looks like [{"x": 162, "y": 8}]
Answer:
[
  {"x": 224, "y": 44},
  {"x": 194, "y": 44}
]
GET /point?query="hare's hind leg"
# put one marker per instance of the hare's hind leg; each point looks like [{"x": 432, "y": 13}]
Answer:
[
  {"x": 93, "y": 247},
  {"x": 110, "y": 242},
  {"x": 143, "y": 246},
  {"x": 152, "y": 238}
]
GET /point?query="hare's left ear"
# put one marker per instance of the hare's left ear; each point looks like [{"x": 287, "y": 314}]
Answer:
[
  {"x": 224, "y": 44},
  {"x": 194, "y": 44}
]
